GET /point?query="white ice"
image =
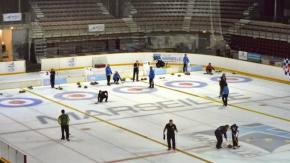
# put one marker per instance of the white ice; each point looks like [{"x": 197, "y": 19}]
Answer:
[{"x": 131, "y": 125}]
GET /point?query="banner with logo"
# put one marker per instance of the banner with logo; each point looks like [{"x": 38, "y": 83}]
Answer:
[
  {"x": 172, "y": 58},
  {"x": 243, "y": 55},
  {"x": 96, "y": 27},
  {"x": 12, "y": 67},
  {"x": 12, "y": 17},
  {"x": 254, "y": 57}
]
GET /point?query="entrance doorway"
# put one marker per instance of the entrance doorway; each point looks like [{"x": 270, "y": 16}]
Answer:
[{"x": 6, "y": 50}]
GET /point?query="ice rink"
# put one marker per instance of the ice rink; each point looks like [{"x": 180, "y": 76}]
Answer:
[{"x": 129, "y": 127}]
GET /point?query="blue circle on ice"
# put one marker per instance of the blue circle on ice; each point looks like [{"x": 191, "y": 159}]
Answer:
[
  {"x": 76, "y": 95},
  {"x": 186, "y": 84},
  {"x": 19, "y": 102},
  {"x": 134, "y": 89},
  {"x": 233, "y": 79}
]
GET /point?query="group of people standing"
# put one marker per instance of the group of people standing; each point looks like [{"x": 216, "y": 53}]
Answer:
[{"x": 136, "y": 65}]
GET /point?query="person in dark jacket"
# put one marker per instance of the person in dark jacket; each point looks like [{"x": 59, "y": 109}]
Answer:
[
  {"x": 108, "y": 74},
  {"x": 63, "y": 121},
  {"x": 151, "y": 77},
  {"x": 136, "y": 71},
  {"x": 219, "y": 133},
  {"x": 185, "y": 63},
  {"x": 222, "y": 83},
  {"x": 171, "y": 129},
  {"x": 102, "y": 95},
  {"x": 52, "y": 78},
  {"x": 225, "y": 95},
  {"x": 235, "y": 135},
  {"x": 116, "y": 77}
]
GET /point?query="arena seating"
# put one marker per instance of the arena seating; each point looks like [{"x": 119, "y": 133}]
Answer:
[
  {"x": 275, "y": 31},
  {"x": 161, "y": 15},
  {"x": 72, "y": 17},
  {"x": 69, "y": 19},
  {"x": 261, "y": 46}
]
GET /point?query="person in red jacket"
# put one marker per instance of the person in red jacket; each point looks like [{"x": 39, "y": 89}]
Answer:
[{"x": 209, "y": 69}]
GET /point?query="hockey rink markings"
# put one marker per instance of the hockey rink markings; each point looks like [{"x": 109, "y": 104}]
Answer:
[
  {"x": 218, "y": 101},
  {"x": 155, "y": 154},
  {"x": 118, "y": 126}
]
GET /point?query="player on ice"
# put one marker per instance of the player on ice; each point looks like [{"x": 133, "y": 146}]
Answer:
[
  {"x": 52, "y": 78},
  {"x": 171, "y": 129},
  {"x": 136, "y": 71},
  {"x": 235, "y": 134},
  {"x": 225, "y": 95},
  {"x": 108, "y": 74},
  {"x": 185, "y": 63},
  {"x": 209, "y": 69},
  {"x": 151, "y": 77},
  {"x": 222, "y": 83},
  {"x": 102, "y": 95},
  {"x": 116, "y": 77},
  {"x": 63, "y": 121},
  {"x": 219, "y": 132}
]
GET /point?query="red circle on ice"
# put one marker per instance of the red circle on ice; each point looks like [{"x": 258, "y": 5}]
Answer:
[
  {"x": 77, "y": 95},
  {"x": 134, "y": 90},
  {"x": 16, "y": 102},
  {"x": 186, "y": 84}
]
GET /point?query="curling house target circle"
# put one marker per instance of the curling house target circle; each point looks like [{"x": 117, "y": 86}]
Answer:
[
  {"x": 19, "y": 102},
  {"x": 186, "y": 84},
  {"x": 234, "y": 79},
  {"x": 77, "y": 95},
  {"x": 134, "y": 89}
]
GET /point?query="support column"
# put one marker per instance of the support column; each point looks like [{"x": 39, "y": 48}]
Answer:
[
  {"x": 275, "y": 10},
  {"x": 1, "y": 31}
]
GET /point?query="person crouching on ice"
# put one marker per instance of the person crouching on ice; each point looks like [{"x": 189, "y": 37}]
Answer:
[
  {"x": 235, "y": 134},
  {"x": 103, "y": 95},
  {"x": 116, "y": 77},
  {"x": 219, "y": 132},
  {"x": 151, "y": 77},
  {"x": 209, "y": 69}
]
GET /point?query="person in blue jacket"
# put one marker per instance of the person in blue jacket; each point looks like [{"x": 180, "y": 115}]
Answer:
[
  {"x": 225, "y": 95},
  {"x": 151, "y": 77},
  {"x": 185, "y": 63},
  {"x": 116, "y": 77},
  {"x": 108, "y": 74}
]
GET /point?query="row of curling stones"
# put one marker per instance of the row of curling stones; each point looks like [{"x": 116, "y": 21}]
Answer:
[
  {"x": 85, "y": 87},
  {"x": 179, "y": 75},
  {"x": 23, "y": 91}
]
